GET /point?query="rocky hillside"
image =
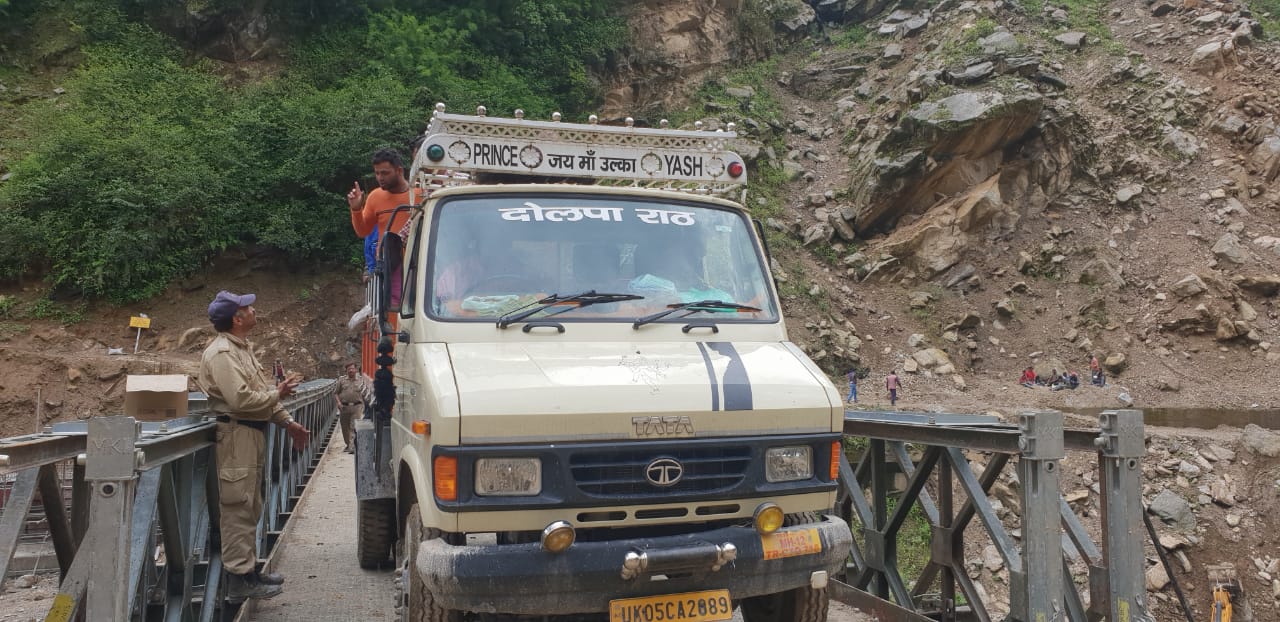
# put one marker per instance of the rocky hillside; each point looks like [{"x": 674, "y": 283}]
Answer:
[{"x": 986, "y": 186}]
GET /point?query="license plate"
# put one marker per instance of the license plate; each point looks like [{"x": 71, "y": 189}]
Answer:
[
  {"x": 782, "y": 544},
  {"x": 708, "y": 606}
]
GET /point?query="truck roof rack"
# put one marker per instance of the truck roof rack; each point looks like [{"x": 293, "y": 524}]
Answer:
[{"x": 459, "y": 149}]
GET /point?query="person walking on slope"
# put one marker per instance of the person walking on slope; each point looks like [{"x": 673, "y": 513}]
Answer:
[
  {"x": 892, "y": 383},
  {"x": 245, "y": 402},
  {"x": 852, "y": 376}
]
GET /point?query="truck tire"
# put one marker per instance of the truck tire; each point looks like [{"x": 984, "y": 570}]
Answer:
[
  {"x": 802, "y": 604},
  {"x": 416, "y": 603},
  {"x": 375, "y": 542}
]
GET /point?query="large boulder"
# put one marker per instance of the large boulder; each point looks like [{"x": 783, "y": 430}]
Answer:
[
  {"x": 1229, "y": 248},
  {"x": 1264, "y": 285},
  {"x": 1213, "y": 57},
  {"x": 1265, "y": 159},
  {"x": 940, "y": 147},
  {"x": 1171, "y": 508},
  {"x": 932, "y": 358},
  {"x": 1262, "y": 441},
  {"x": 1188, "y": 286},
  {"x": 934, "y": 243}
]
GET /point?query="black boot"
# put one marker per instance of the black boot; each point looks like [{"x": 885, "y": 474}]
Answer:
[
  {"x": 270, "y": 578},
  {"x": 241, "y": 587}
]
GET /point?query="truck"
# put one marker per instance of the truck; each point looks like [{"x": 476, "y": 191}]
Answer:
[{"x": 587, "y": 405}]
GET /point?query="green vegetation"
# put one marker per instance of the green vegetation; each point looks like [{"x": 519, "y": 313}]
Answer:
[
  {"x": 912, "y": 541},
  {"x": 827, "y": 254},
  {"x": 713, "y": 96},
  {"x": 956, "y": 50},
  {"x": 10, "y": 329},
  {"x": 1088, "y": 16},
  {"x": 1268, "y": 13},
  {"x": 152, "y": 162},
  {"x": 47, "y": 309},
  {"x": 852, "y": 36}
]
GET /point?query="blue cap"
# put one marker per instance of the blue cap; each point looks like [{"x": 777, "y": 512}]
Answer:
[{"x": 225, "y": 305}]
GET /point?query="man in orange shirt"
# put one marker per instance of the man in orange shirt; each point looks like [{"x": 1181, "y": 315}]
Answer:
[{"x": 376, "y": 209}]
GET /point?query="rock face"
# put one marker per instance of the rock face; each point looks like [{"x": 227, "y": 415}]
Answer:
[
  {"x": 956, "y": 148},
  {"x": 229, "y": 32},
  {"x": 971, "y": 128},
  {"x": 685, "y": 42}
]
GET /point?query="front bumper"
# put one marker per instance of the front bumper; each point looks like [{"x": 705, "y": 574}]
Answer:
[{"x": 525, "y": 579}]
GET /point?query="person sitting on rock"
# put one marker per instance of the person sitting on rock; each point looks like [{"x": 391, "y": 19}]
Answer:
[
  {"x": 1073, "y": 381},
  {"x": 1028, "y": 378},
  {"x": 1053, "y": 378}
]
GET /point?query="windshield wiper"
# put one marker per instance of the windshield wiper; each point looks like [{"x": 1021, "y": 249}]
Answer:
[
  {"x": 694, "y": 307},
  {"x": 574, "y": 301}
]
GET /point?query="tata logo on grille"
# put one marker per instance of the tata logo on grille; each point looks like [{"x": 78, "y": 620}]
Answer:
[
  {"x": 661, "y": 426},
  {"x": 664, "y": 472}
]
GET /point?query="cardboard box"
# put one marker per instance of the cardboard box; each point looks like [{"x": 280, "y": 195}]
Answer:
[{"x": 155, "y": 398}]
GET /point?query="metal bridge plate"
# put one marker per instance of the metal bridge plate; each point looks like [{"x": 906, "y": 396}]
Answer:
[{"x": 936, "y": 419}]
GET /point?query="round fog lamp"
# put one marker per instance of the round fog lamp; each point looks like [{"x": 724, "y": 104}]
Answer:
[
  {"x": 435, "y": 153},
  {"x": 558, "y": 536},
  {"x": 768, "y": 518}
]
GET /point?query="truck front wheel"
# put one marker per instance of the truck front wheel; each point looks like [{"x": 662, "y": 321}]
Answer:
[
  {"x": 375, "y": 544},
  {"x": 416, "y": 603},
  {"x": 802, "y": 604}
]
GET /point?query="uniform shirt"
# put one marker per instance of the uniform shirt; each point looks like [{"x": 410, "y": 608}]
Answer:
[
  {"x": 353, "y": 390},
  {"x": 236, "y": 384}
]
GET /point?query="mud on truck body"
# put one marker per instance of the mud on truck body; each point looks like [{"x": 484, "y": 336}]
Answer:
[{"x": 587, "y": 402}]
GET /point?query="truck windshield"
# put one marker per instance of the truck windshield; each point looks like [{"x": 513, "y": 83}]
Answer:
[{"x": 490, "y": 255}]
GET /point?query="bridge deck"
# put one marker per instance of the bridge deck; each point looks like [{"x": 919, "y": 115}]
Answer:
[{"x": 317, "y": 554}]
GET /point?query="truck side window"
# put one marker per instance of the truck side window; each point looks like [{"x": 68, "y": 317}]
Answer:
[{"x": 409, "y": 300}]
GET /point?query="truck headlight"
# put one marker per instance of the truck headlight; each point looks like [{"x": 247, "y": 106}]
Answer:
[
  {"x": 514, "y": 477},
  {"x": 788, "y": 464}
]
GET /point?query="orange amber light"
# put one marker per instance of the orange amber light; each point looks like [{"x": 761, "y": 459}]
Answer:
[
  {"x": 445, "y": 475},
  {"x": 422, "y": 428},
  {"x": 836, "y": 446}
]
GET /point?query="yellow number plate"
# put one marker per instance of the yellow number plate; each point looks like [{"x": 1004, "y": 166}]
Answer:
[
  {"x": 709, "y": 606},
  {"x": 791, "y": 543}
]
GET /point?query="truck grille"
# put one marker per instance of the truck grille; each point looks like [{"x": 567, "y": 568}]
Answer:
[{"x": 617, "y": 473}]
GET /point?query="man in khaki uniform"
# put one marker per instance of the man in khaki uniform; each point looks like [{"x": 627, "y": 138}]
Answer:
[
  {"x": 245, "y": 402},
  {"x": 353, "y": 393}
]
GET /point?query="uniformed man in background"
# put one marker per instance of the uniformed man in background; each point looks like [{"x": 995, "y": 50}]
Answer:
[
  {"x": 353, "y": 393},
  {"x": 245, "y": 402}
]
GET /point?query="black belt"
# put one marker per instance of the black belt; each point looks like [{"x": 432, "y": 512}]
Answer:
[{"x": 257, "y": 425}]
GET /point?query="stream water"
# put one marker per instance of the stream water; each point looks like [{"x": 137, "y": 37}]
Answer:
[{"x": 1205, "y": 418}]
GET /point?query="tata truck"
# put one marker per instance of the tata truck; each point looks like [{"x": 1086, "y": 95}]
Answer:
[{"x": 587, "y": 403}]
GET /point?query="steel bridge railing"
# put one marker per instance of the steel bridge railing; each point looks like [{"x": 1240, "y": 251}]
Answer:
[
  {"x": 139, "y": 538},
  {"x": 1041, "y": 588}
]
